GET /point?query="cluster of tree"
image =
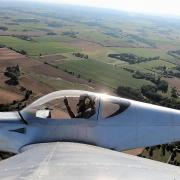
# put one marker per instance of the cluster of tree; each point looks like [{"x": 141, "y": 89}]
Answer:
[
  {"x": 52, "y": 65},
  {"x": 153, "y": 96},
  {"x": 163, "y": 150},
  {"x": 112, "y": 34},
  {"x": 51, "y": 33},
  {"x": 77, "y": 75},
  {"x": 70, "y": 34},
  {"x": 130, "y": 93},
  {"x": 55, "y": 24},
  {"x": 175, "y": 54},
  {"x": 13, "y": 73},
  {"x": 161, "y": 68},
  {"x": 23, "y": 52},
  {"x": 2, "y": 46},
  {"x": 141, "y": 40},
  {"x": 132, "y": 58},
  {"x": 129, "y": 70},
  {"x": 173, "y": 72},
  {"x": 3, "y": 28},
  {"x": 17, "y": 105},
  {"x": 27, "y": 93},
  {"x": 177, "y": 68},
  {"x": 169, "y": 73},
  {"x": 81, "y": 55},
  {"x": 150, "y": 94},
  {"x": 5, "y": 155},
  {"x": 148, "y": 76},
  {"x": 12, "y": 23},
  {"x": 161, "y": 85},
  {"x": 23, "y": 37},
  {"x": 174, "y": 93},
  {"x": 70, "y": 72},
  {"x": 14, "y": 106},
  {"x": 27, "y": 20},
  {"x": 164, "y": 71}
]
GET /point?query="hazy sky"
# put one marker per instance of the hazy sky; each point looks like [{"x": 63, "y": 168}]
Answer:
[{"x": 171, "y": 7}]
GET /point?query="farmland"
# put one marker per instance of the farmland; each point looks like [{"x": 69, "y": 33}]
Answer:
[
  {"x": 69, "y": 47},
  {"x": 49, "y": 38},
  {"x": 95, "y": 70}
]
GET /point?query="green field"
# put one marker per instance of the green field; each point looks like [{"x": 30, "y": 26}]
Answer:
[
  {"x": 37, "y": 47},
  {"x": 151, "y": 66},
  {"x": 102, "y": 73}
]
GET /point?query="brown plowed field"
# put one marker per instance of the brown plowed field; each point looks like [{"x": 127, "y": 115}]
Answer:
[
  {"x": 36, "y": 86},
  {"x": 6, "y": 53},
  {"x": 8, "y": 96}
]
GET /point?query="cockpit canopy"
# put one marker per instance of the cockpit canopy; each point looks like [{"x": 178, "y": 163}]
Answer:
[{"x": 71, "y": 104}]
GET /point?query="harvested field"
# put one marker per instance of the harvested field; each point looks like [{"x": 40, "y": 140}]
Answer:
[
  {"x": 6, "y": 53},
  {"x": 85, "y": 45},
  {"x": 37, "y": 87},
  {"x": 52, "y": 57},
  {"x": 13, "y": 62},
  {"x": 44, "y": 69},
  {"x": 134, "y": 152},
  {"x": 8, "y": 96}
]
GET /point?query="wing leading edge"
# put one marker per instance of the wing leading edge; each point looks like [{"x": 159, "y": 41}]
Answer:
[{"x": 62, "y": 160}]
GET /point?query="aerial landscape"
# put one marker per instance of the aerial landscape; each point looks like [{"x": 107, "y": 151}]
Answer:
[{"x": 44, "y": 48}]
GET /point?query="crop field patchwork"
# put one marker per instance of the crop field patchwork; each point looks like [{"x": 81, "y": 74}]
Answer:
[
  {"x": 102, "y": 73},
  {"x": 49, "y": 39}
]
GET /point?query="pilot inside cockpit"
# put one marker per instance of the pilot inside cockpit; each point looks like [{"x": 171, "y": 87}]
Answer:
[{"x": 85, "y": 107}]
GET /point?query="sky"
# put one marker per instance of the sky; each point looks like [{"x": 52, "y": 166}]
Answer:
[{"x": 158, "y": 7}]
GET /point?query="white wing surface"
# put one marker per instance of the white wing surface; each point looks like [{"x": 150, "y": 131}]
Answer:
[{"x": 57, "y": 161}]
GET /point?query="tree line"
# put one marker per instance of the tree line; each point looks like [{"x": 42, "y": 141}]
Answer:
[
  {"x": 81, "y": 55},
  {"x": 132, "y": 58},
  {"x": 150, "y": 94}
]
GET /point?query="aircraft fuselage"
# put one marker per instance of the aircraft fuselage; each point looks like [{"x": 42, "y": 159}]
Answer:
[{"x": 140, "y": 125}]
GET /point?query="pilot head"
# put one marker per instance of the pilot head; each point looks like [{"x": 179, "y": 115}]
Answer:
[{"x": 84, "y": 103}]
